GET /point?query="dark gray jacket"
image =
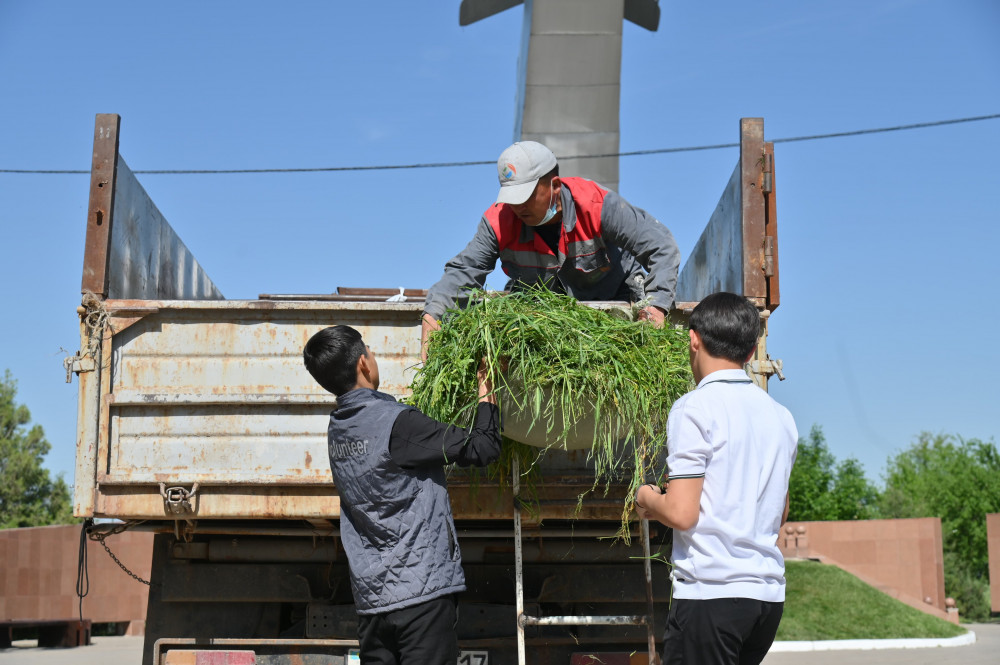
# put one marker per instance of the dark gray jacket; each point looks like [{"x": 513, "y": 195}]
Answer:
[
  {"x": 632, "y": 240},
  {"x": 395, "y": 523}
]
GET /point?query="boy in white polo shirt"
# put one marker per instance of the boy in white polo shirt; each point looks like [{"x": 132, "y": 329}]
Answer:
[{"x": 730, "y": 452}]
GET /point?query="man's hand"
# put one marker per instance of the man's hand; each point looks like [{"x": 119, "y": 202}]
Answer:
[
  {"x": 428, "y": 324},
  {"x": 678, "y": 506},
  {"x": 644, "y": 497},
  {"x": 654, "y": 315},
  {"x": 486, "y": 393}
]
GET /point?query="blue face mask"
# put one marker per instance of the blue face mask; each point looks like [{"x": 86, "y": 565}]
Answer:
[{"x": 551, "y": 212}]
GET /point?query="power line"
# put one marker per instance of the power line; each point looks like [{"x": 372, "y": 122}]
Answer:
[
  {"x": 919, "y": 125},
  {"x": 438, "y": 165}
]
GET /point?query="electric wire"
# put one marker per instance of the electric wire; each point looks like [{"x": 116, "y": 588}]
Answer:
[
  {"x": 82, "y": 574},
  {"x": 437, "y": 165}
]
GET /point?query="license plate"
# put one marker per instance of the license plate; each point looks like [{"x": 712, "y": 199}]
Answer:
[{"x": 464, "y": 658}]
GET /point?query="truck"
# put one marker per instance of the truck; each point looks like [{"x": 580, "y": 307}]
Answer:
[{"x": 197, "y": 421}]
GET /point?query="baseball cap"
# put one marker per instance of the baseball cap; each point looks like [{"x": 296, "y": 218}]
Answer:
[{"x": 519, "y": 168}]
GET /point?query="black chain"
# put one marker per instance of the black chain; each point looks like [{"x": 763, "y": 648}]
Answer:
[{"x": 101, "y": 536}]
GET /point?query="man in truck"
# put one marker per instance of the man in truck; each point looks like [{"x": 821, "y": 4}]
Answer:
[
  {"x": 570, "y": 234},
  {"x": 396, "y": 525},
  {"x": 730, "y": 451}
]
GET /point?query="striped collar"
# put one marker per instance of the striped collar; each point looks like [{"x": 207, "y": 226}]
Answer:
[{"x": 725, "y": 376}]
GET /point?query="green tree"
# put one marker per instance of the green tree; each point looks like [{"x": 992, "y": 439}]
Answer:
[
  {"x": 957, "y": 480},
  {"x": 822, "y": 489},
  {"x": 28, "y": 496}
]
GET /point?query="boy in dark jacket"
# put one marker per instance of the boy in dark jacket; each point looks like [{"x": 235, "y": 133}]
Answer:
[{"x": 396, "y": 525}]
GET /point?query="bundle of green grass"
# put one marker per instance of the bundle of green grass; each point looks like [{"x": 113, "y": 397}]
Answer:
[{"x": 567, "y": 376}]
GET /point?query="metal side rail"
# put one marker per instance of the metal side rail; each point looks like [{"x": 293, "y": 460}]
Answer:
[{"x": 621, "y": 620}]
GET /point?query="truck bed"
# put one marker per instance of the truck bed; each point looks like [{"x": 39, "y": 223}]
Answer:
[{"x": 194, "y": 407}]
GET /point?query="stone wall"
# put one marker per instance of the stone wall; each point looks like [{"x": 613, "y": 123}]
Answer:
[
  {"x": 902, "y": 557},
  {"x": 38, "y": 576},
  {"x": 993, "y": 539}
]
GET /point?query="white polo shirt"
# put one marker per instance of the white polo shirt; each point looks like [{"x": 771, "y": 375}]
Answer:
[{"x": 743, "y": 443}]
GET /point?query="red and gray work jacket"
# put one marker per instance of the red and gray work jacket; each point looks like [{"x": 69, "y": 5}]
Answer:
[{"x": 604, "y": 246}]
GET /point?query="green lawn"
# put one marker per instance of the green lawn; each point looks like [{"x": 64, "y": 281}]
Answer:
[{"x": 826, "y": 603}]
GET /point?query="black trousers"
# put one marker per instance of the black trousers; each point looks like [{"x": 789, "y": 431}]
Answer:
[
  {"x": 420, "y": 635},
  {"x": 722, "y": 631}
]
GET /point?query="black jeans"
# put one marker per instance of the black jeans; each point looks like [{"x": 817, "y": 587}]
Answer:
[
  {"x": 420, "y": 635},
  {"x": 722, "y": 631}
]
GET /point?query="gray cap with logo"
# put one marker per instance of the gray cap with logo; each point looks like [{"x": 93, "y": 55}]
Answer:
[{"x": 519, "y": 168}]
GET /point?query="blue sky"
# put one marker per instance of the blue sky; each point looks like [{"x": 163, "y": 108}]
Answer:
[{"x": 887, "y": 242}]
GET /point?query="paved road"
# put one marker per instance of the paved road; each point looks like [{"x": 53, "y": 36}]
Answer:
[
  {"x": 103, "y": 651},
  {"x": 128, "y": 651}
]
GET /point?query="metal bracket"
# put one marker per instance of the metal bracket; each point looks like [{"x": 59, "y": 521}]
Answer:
[
  {"x": 769, "y": 256},
  {"x": 78, "y": 364},
  {"x": 768, "y": 367},
  {"x": 177, "y": 500}
]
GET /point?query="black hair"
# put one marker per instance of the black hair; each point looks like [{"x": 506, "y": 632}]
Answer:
[
  {"x": 331, "y": 356},
  {"x": 728, "y": 325}
]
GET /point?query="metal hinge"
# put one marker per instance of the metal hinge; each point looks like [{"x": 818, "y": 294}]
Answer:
[
  {"x": 78, "y": 364},
  {"x": 769, "y": 256},
  {"x": 768, "y": 185},
  {"x": 768, "y": 367}
]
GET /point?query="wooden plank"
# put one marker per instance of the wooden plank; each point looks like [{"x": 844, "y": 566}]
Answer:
[
  {"x": 101, "y": 207},
  {"x": 771, "y": 229},
  {"x": 376, "y": 293},
  {"x": 752, "y": 206}
]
